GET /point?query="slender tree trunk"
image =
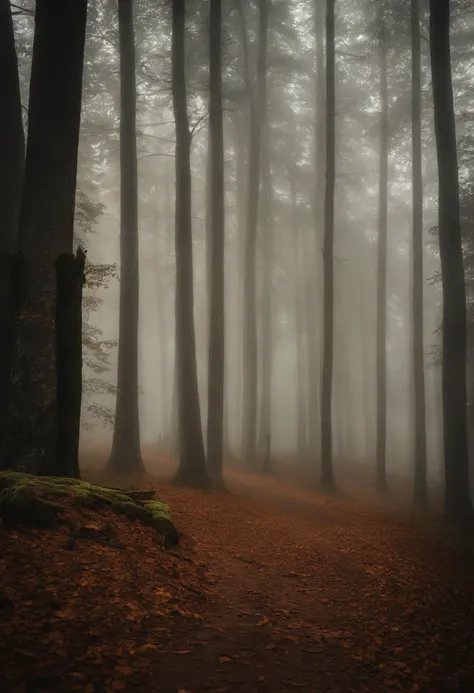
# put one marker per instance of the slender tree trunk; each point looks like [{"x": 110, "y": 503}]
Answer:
[
  {"x": 239, "y": 150},
  {"x": 327, "y": 472},
  {"x": 215, "y": 416},
  {"x": 250, "y": 310},
  {"x": 192, "y": 463},
  {"x": 126, "y": 456},
  {"x": 300, "y": 356},
  {"x": 314, "y": 332},
  {"x": 266, "y": 304},
  {"x": 420, "y": 480},
  {"x": 456, "y": 460},
  {"x": 12, "y": 163},
  {"x": 45, "y": 232},
  {"x": 164, "y": 331},
  {"x": 382, "y": 272}
]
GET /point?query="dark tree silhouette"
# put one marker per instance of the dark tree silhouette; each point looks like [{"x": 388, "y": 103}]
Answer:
[
  {"x": 126, "y": 456},
  {"x": 215, "y": 416},
  {"x": 420, "y": 494},
  {"x": 45, "y": 233},
  {"x": 456, "y": 461},
  {"x": 327, "y": 472},
  {"x": 12, "y": 162},
  {"x": 192, "y": 460}
]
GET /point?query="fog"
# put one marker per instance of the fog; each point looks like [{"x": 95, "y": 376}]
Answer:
[{"x": 293, "y": 213}]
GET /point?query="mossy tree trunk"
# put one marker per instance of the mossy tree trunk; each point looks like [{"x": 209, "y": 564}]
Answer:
[
  {"x": 46, "y": 228},
  {"x": 12, "y": 162}
]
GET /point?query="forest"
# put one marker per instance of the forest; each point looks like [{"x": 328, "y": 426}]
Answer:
[{"x": 236, "y": 346}]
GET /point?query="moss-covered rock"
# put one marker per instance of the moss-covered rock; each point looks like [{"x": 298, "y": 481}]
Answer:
[{"x": 37, "y": 501}]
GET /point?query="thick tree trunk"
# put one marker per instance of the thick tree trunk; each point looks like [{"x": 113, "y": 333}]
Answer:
[
  {"x": 215, "y": 416},
  {"x": 250, "y": 352},
  {"x": 45, "y": 230},
  {"x": 456, "y": 460},
  {"x": 192, "y": 463},
  {"x": 125, "y": 456},
  {"x": 327, "y": 472},
  {"x": 69, "y": 282},
  {"x": 381, "y": 475},
  {"x": 12, "y": 162},
  {"x": 420, "y": 481}
]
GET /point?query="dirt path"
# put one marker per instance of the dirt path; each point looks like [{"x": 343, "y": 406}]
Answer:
[
  {"x": 276, "y": 590},
  {"x": 320, "y": 596}
]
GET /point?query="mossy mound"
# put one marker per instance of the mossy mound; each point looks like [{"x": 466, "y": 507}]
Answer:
[{"x": 39, "y": 501}]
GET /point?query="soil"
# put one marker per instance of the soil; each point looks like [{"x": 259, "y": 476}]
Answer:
[{"x": 272, "y": 589}]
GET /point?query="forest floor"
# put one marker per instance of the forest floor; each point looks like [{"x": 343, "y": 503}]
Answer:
[{"x": 272, "y": 589}]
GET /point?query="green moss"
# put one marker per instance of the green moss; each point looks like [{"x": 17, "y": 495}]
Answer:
[{"x": 33, "y": 500}]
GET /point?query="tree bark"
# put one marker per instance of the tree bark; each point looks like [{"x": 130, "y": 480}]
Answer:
[
  {"x": 381, "y": 475},
  {"x": 250, "y": 353},
  {"x": 69, "y": 282},
  {"x": 299, "y": 327},
  {"x": 266, "y": 304},
  {"x": 457, "y": 502},
  {"x": 314, "y": 329},
  {"x": 215, "y": 416},
  {"x": 125, "y": 456},
  {"x": 45, "y": 230},
  {"x": 192, "y": 463},
  {"x": 420, "y": 494},
  {"x": 327, "y": 472},
  {"x": 12, "y": 163}
]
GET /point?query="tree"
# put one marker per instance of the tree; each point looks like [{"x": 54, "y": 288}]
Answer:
[
  {"x": 125, "y": 456},
  {"x": 420, "y": 481},
  {"x": 192, "y": 462},
  {"x": 327, "y": 472},
  {"x": 456, "y": 462},
  {"x": 257, "y": 104},
  {"x": 381, "y": 451},
  {"x": 36, "y": 436},
  {"x": 215, "y": 417},
  {"x": 12, "y": 162}
]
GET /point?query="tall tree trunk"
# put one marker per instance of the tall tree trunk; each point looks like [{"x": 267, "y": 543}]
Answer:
[
  {"x": 327, "y": 472},
  {"x": 266, "y": 304},
  {"x": 192, "y": 462},
  {"x": 314, "y": 329},
  {"x": 45, "y": 232},
  {"x": 12, "y": 163},
  {"x": 381, "y": 480},
  {"x": 420, "y": 480},
  {"x": 250, "y": 310},
  {"x": 215, "y": 416},
  {"x": 125, "y": 456},
  {"x": 299, "y": 320},
  {"x": 456, "y": 460},
  {"x": 239, "y": 151},
  {"x": 164, "y": 331}
]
